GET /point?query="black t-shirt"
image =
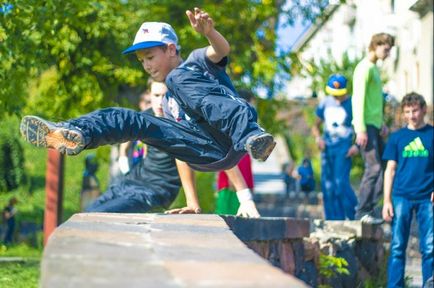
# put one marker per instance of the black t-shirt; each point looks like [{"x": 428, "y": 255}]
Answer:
[{"x": 157, "y": 174}]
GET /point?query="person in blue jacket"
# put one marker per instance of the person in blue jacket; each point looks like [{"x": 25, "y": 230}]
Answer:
[{"x": 336, "y": 144}]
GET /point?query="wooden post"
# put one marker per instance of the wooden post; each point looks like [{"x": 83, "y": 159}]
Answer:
[{"x": 53, "y": 192}]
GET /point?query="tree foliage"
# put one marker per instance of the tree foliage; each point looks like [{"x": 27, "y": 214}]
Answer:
[
  {"x": 12, "y": 172},
  {"x": 319, "y": 71},
  {"x": 62, "y": 58}
]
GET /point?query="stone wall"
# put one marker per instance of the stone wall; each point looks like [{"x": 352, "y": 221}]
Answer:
[
  {"x": 154, "y": 250},
  {"x": 296, "y": 250}
]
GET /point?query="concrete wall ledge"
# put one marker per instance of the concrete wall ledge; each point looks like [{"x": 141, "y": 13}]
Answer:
[{"x": 154, "y": 250}]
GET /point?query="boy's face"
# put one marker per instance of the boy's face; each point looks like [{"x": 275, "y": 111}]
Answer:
[
  {"x": 145, "y": 101},
  {"x": 414, "y": 114},
  {"x": 158, "y": 90},
  {"x": 382, "y": 51},
  {"x": 156, "y": 61}
]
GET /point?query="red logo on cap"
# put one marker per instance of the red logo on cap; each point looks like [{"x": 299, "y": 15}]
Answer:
[{"x": 336, "y": 84}]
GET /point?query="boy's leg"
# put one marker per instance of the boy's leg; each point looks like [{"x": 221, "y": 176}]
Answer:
[
  {"x": 424, "y": 216},
  {"x": 206, "y": 100},
  {"x": 400, "y": 232},
  {"x": 41, "y": 133},
  {"x": 120, "y": 198},
  {"x": 327, "y": 185},
  {"x": 345, "y": 193},
  {"x": 370, "y": 186},
  {"x": 117, "y": 125},
  {"x": 119, "y": 205}
]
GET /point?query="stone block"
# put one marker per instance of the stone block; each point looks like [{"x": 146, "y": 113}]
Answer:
[{"x": 268, "y": 228}]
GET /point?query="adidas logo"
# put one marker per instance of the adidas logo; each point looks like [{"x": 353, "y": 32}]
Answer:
[{"x": 415, "y": 149}]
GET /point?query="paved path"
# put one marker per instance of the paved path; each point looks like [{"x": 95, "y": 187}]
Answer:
[{"x": 268, "y": 176}]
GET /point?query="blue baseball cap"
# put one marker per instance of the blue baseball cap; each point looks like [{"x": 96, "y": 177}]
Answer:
[
  {"x": 153, "y": 34},
  {"x": 336, "y": 85}
]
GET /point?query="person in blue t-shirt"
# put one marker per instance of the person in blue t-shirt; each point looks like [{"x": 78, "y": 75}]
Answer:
[
  {"x": 408, "y": 188},
  {"x": 335, "y": 115},
  {"x": 305, "y": 176},
  {"x": 210, "y": 127}
]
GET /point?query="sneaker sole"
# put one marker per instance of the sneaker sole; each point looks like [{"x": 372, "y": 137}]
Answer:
[
  {"x": 261, "y": 147},
  {"x": 42, "y": 133}
]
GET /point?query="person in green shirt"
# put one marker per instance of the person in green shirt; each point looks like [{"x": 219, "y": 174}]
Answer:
[{"x": 367, "y": 106}]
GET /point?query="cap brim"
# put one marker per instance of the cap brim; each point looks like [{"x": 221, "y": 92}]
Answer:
[
  {"x": 142, "y": 45},
  {"x": 336, "y": 92}
]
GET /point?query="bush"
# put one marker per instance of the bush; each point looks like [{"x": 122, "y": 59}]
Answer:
[{"x": 11, "y": 156}]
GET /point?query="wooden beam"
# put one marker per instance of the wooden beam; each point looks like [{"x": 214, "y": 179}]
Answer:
[{"x": 53, "y": 192}]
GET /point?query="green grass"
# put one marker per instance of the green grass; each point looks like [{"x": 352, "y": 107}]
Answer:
[
  {"x": 20, "y": 250},
  {"x": 23, "y": 274}
]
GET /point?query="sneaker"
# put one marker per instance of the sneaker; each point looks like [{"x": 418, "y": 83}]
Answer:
[
  {"x": 368, "y": 219},
  {"x": 43, "y": 133},
  {"x": 260, "y": 146}
]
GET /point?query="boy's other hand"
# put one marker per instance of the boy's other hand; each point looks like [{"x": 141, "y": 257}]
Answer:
[
  {"x": 352, "y": 151},
  {"x": 184, "y": 210},
  {"x": 320, "y": 142},
  {"x": 200, "y": 21},
  {"x": 387, "y": 211}
]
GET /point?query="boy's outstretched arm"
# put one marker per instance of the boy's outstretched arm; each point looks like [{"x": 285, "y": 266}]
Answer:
[
  {"x": 188, "y": 181},
  {"x": 203, "y": 24}
]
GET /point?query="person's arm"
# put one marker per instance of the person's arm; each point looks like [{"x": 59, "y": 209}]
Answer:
[
  {"x": 188, "y": 181},
  {"x": 247, "y": 206},
  {"x": 123, "y": 162},
  {"x": 203, "y": 24},
  {"x": 360, "y": 83},
  {"x": 316, "y": 132},
  {"x": 389, "y": 175}
]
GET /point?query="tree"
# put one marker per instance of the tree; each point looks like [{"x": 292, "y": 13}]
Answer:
[
  {"x": 319, "y": 71},
  {"x": 62, "y": 58}
]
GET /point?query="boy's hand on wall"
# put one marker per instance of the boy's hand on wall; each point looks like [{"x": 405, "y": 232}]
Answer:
[
  {"x": 248, "y": 209},
  {"x": 184, "y": 210}
]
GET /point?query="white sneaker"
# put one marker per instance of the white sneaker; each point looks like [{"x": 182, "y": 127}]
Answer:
[{"x": 368, "y": 219}]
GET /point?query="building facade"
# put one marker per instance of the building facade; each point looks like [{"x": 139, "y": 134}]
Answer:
[{"x": 349, "y": 27}]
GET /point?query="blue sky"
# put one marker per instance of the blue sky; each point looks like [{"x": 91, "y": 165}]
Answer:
[{"x": 288, "y": 35}]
